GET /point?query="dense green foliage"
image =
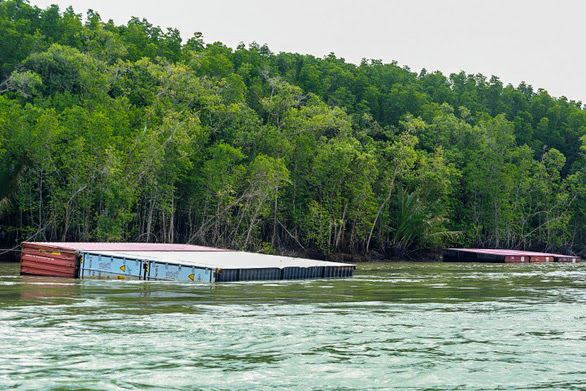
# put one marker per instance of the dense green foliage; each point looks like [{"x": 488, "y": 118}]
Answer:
[{"x": 111, "y": 132}]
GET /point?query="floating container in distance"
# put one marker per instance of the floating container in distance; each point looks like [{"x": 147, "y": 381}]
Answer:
[
  {"x": 503, "y": 256},
  {"x": 61, "y": 259},
  {"x": 200, "y": 267}
]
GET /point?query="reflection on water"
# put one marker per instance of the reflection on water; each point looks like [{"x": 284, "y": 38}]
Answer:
[{"x": 393, "y": 326}]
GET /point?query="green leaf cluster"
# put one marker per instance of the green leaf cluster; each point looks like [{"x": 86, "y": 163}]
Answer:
[{"x": 126, "y": 132}]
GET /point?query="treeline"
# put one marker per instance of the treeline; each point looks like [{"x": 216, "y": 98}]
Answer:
[{"x": 125, "y": 132}]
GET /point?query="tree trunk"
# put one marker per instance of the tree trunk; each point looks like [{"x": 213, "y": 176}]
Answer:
[{"x": 380, "y": 209}]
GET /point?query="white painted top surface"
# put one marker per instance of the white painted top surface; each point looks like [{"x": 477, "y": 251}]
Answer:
[{"x": 220, "y": 260}]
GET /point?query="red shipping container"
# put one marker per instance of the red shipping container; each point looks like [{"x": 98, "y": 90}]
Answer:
[
  {"x": 516, "y": 259},
  {"x": 541, "y": 259},
  {"x": 47, "y": 261}
]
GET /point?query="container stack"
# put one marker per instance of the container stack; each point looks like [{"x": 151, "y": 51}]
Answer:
[{"x": 169, "y": 262}]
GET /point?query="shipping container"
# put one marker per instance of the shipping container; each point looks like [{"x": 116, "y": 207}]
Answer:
[
  {"x": 541, "y": 258},
  {"x": 62, "y": 259},
  {"x": 569, "y": 259},
  {"x": 42, "y": 260},
  {"x": 101, "y": 266},
  {"x": 516, "y": 259},
  {"x": 164, "y": 271},
  {"x": 227, "y": 266},
  {"x": 501, "y": 255}
]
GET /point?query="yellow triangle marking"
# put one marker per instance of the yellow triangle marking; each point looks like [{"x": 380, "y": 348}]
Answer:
[
  {"x": 191, "y": 277},
  {"x": 123, "y": 268}
]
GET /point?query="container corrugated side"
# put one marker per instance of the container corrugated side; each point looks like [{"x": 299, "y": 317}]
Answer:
[
  {"x": 103, "y": 266},
  {"x": 516, "y": 259},
  {"x": 568, "y": 259},
  {"x": 173, "y": 272},
  {"x": 153, "y": 266},
  {"x": 41, "y": 260},
  {"x": 541, "y": 259}
]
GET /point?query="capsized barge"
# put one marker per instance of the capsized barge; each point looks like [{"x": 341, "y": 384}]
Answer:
[
  {"x": 504, "y": 256},
  {"x": 169, "y": 262}
]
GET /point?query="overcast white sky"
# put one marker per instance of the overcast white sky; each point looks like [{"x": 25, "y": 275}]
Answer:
[{"x": 540, "y": 42}]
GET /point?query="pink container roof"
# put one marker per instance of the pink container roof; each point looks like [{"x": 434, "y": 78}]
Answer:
[
  {"x": 123, "y": 246},
  {"x": 510, "y": 252}
]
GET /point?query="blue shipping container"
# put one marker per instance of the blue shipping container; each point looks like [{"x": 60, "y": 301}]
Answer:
[
  {"x": 184, "y": 273},
  {"x": 103, "y": 266},
  {"x": 198, "y": 267}
]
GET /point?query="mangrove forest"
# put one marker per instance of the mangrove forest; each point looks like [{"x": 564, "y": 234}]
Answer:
[{"x": 130, "y": 132}]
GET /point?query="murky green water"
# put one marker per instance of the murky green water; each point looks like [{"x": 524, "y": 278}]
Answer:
[{"x": 393, "y": 326}]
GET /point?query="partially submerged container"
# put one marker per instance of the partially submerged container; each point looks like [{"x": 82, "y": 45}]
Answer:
[
  {"x": 570, "y": 259},
  {"x": 41, "y": 259},
  {"x": 502, "y": 255},
  {"x": 541, "y": 258},
  {"x": 169, "y": 262},
  {"x": 201, "y": 266},
  {"x": 61, "y": 259},
  {"x": 516, "y": 259}
]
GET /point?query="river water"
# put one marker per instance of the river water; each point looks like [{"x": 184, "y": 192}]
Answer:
[{"x": 392, "y": 326}]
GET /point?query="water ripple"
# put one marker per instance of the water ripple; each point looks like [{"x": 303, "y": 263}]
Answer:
[{"x": 394, "y": 326}]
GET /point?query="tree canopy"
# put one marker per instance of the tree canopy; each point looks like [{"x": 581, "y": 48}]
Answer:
[{"x": 126, "y": 132}]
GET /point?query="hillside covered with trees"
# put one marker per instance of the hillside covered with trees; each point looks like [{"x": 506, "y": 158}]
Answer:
[{"x": 127, "y": 133}]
